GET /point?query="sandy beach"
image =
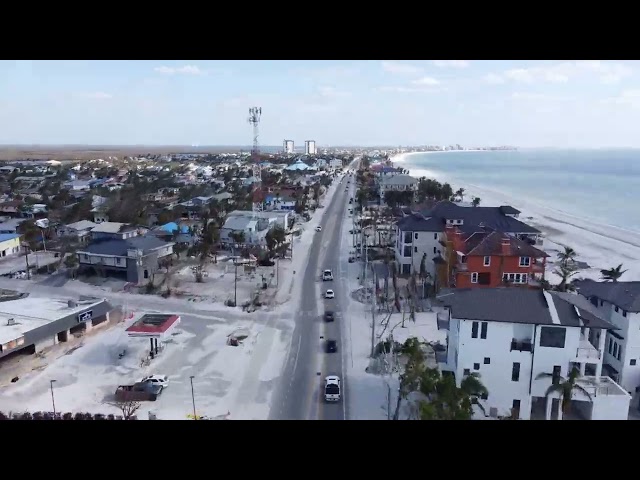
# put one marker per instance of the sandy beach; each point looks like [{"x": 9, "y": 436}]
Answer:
[{"x": 598, "y": 245}]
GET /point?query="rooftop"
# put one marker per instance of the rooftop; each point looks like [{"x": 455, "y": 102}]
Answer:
[
  {"x": 41, "y": 311},
  {"x": 490, "y": 244},
  {"x": 111, "y": 227},
  {"x": 8, "y": 236},
  {"x": 399, "y": 180},
  {"x": 625, "y": 295},
  {"x": 519, "y": 305},
  {"x": 118, "y": 247},
  {"x": 82, "y": 225},
  {"x": 153, "y": 324}
]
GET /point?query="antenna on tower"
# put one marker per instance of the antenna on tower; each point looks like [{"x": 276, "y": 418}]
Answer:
[{"x": 254, "y": 119}]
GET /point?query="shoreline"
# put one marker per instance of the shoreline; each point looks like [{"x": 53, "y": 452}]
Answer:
[{"x": 597, "y": 244}]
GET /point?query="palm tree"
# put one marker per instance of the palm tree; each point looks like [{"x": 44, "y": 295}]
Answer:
[
  {"x": 565, "y": 387},
  {"x": 612, "y": 274},
  {"x": 565, "y": 272},
  {"x": 568, "y": 256}
]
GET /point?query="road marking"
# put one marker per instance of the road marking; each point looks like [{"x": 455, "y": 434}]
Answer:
[{"x": 295, "y": 363}]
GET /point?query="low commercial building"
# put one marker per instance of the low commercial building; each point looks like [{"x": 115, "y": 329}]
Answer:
[
  {"x": 9, "y": 244},
  {"x": 29, "y": 324}
]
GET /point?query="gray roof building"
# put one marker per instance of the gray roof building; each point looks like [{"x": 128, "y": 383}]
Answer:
[
  {"x": 118, "y": 247},
  {"x": 417, "y": 223},
  {"x": 625, "y": 295},
  {"x": 517, "y": 305}
]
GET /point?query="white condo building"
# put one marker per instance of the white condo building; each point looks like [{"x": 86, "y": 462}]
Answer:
[
  {"x": 619, "y": 303},
  {"x": 288, "y": 146},
  {"x": 310, "y": 147},
  {"x": 510, "y": 336}
]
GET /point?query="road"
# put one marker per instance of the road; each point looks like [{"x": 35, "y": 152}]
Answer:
[{"x": 299, "y": 396}]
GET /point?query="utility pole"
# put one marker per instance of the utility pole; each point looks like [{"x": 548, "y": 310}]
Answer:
[
  {"x": 53, "y": 400},
  {"x": 26, "y": 258},
  {"x": 235, "y": 283},
  {"x": 373, "y": 321},
  {"x": 193, "y": 398}
]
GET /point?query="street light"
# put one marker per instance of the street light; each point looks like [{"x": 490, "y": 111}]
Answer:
[
  {"x": 193, "y": 398},
  {"x": 53, "y": 400},
  {"x": 25, "y": 245},
  {"x": 235, "y": 281}
]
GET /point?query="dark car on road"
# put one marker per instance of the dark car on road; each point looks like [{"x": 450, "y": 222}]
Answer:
[
  {"x": 332, "y": 346},
  {"x": 138, "y": 392},
  {"x": 329, "y": 316}
]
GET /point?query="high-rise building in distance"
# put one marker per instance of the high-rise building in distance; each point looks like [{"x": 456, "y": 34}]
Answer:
[
  {"x": 288, "y": 146},
  {"x": 310, "y": 147}
]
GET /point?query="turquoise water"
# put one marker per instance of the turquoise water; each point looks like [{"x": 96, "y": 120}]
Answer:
[{"x": 600, "y": 185}]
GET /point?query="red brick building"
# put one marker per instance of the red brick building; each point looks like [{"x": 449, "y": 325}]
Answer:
[{"x": 494, "y": 259}]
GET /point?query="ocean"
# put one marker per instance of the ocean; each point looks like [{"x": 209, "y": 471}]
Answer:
[{"x": 602, "y": 186}]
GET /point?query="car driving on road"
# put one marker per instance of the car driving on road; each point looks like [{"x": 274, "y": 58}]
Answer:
[
  {"x": 329, "y": 316},
  {"x": 327, "y": 275},
  {"x": 332, "y": 346},
  {"x": 318, "y": 229},
  {"x": 161, "y": 380},
  {"x": 329, "y": 294},
  {"x": 332, "y": 388}
]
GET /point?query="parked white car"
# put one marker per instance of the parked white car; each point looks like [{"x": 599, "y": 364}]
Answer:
[
  {"x": 160, "y": 380},
  {"x": 329, "y": 294},
  {"x": 318, "y": 229}
]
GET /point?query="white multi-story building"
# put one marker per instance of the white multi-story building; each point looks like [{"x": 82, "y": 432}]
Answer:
[
  {"x": 310, "y": 147},
  {"x": 511, "y": 337},
  {"x": 288, "y": 146},
  {"x": 416, "y": 237},
  {"x": 619, "y": 303}
]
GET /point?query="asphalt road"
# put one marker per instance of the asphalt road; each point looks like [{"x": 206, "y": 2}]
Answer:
[{"x": 300, "y": 393}]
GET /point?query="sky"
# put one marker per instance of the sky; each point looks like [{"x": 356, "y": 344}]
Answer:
[{"x": 564, "y": 104}]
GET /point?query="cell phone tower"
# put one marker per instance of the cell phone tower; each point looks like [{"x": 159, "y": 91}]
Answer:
[{"x": 254, "y": 119}]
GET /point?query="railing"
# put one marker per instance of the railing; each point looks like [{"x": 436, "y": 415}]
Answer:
[
  {"x": 521, "y": 345},
  {"x": 441, "y": 357},
  {"x": 443, "y": 321},
  {"x": 586, "y": 352}
]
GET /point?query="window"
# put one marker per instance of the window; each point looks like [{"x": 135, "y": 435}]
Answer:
[
  {"x": 619, "y": 352},
  {"x": 487, "y": 261},
  {"x": 434, "y": 250},
  {"x": 487, "y": 360},
  {"x": 555, "y": 379},
  {"x": 515, "y": 372},
  {"x": 523, "y": 278},
  {"x": 632, "y": 361},
  {"x": 484, "y": 278},
  {"x": 616, "y": 309},
  {"x": 610, "y": 346},
  {"x": 415, "y": 249},
  {"x": 525, "y": 261},
  {"x": 483, "y": 330},
  {"x": 474, "y": 277},
  {"x": 415, "y": 235},
  {"x": 552, "y": 337},
  {"x": 466, "y": 371},
  {"x": 435, "y": 236},
  {"x": 407, "y": 237},
  {"x": 407, "y": 251},
  {"x": 474, "y": 330},
  {"x": 624, "y": 313},
  {"x": 601, "y": 303},
  {"x": 476, "y": 366},
  {"x": 615, "y": 349}
]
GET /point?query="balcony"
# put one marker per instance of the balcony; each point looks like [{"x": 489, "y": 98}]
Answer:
[
  {"x": 586, "y": 351},
  {"x": 442, "y": 319},
  {"x": 462, "y": 267},
  {"x": 537, "y": 267},
  {"x": 521, "y": 345},
  {"x": 601, "y": 386}
]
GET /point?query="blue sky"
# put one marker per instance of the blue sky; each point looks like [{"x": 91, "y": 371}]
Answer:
[{"x": 474, "y": 103}]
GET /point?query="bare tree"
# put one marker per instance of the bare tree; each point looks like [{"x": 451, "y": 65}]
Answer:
[{"x": 127, "y": 407}]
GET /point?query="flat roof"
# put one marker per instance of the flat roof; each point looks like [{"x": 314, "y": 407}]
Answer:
[
  {"x": 153, "y": 325},
  {"x": 30, "y": 312}
]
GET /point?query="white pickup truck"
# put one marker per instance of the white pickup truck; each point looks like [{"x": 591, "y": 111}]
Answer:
[
  {"x": 332, "y": 388},
  {"x": 327, "y": 275}
]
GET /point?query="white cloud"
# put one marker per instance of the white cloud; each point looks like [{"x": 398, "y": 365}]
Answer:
[
  {"x": 331, "y": 92},
  {"x": 606, "y": 72},
  {"x": 97, "y": 95},
  {"x": 184, "y": 70},
  {"x": 426, "y": 81},
  {"x": 451, "y": 63},
  {"x": 538, "y": 97},
  {"x": 399, "y": 68},
  {"x": 493, "y": 79},
  {"x": 401, "y": 89},
  {"x": 630, "y": 98}
]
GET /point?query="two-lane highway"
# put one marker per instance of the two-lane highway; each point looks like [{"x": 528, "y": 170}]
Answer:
[{"x": 299, "y": 395}]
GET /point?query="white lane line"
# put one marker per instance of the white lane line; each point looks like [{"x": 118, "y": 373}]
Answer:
[{"x": 295, "y": 363}]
